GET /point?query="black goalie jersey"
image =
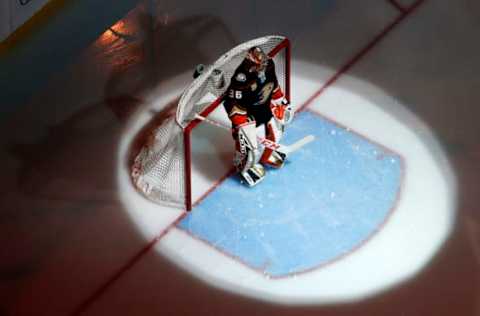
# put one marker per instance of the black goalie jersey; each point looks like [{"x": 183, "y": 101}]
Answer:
[{"x": 250, "y": 92}]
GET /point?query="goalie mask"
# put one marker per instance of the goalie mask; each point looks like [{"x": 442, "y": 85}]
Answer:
[{"x": 258, "y": 57}]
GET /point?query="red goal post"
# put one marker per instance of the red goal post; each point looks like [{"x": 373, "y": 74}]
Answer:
[{"x": 162, "y": 170}]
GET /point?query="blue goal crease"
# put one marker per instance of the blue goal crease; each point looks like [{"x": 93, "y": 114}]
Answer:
[{"x": 330, "y": 197}]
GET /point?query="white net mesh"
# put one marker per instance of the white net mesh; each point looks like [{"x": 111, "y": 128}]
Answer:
[{"x": 160, "y": 170}]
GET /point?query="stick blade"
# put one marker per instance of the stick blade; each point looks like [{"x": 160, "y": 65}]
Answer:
[{"x": 299, "y": 144}]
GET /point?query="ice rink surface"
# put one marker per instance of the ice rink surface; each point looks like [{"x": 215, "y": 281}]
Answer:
[
  {"x": 329, "y": 197},
  {"x": 78, "y": 239}
]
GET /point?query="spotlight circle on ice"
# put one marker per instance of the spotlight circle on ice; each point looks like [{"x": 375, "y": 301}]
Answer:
[{"x": 346, "y": 207}]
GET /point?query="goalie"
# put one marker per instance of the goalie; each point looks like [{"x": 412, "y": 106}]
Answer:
[{"x": 254, "y": 99}]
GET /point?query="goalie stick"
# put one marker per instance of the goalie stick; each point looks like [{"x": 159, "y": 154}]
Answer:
[{"x": 284, "y": 149}]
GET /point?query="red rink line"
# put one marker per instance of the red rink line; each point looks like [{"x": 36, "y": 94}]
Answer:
[
  {"x": 215, "y": 186},
  {"x": 130, "y": 263},
  {"x": 127, "y": 266},
  {"x": 362, "y": 53},
  {"x": 398, "y": 6}
]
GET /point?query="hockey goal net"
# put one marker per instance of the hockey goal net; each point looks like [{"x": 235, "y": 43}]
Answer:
[{"x": 162, "y": 169}]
